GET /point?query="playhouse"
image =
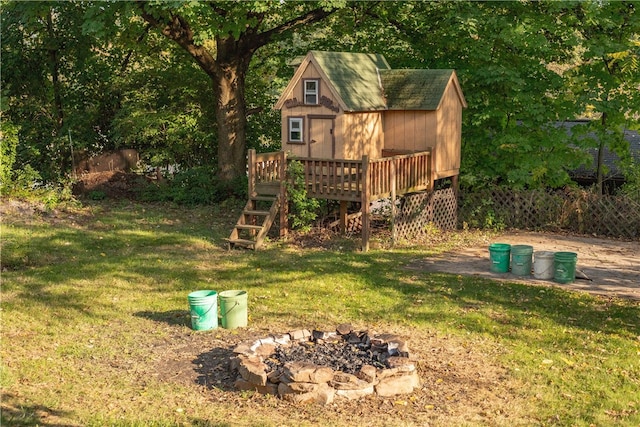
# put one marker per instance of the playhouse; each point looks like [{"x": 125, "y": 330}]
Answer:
[
  {"x": 362, "y": 130},
  {"x": 342, "y": 105}
]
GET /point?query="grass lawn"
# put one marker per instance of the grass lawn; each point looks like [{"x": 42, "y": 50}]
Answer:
[{"x": 96, "y": 330}]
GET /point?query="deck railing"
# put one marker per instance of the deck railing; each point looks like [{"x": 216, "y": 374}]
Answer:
[
  {"x": 338, "y": 179},
  {"x": 266, "y": 170},
  {"x": 361, "y": 180},
  {"x": 348, "y": 179},
  {"x": 403, "y": 174}
]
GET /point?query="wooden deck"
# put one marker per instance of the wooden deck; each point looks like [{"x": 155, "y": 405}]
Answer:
[
  {"x": 361, "y": 180},
  {"x": 348, "y": 180}
]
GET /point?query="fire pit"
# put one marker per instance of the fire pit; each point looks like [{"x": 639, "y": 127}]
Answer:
[{"x": 303, "y": 366}]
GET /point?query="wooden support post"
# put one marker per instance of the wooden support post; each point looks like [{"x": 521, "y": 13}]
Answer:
[
  {"x": 392, "y": 184},
  {"x": 455, "y": 184},
  {"x": 432, "y": 170},
  {"x": 284, "y": 204},
  {"x": 343, "y": 217},
  {"x": 366, "y": 183},
  {"x": 251, "y": 160}
]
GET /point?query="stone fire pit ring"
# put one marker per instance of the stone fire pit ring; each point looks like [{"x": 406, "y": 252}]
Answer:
[{"x": 305, "y": 366}]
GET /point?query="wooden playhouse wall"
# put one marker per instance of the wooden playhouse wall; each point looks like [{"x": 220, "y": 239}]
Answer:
[
  {"x": 419, "y": 130},
  {"x": 354, "y": 134},
  {"x": 360, "y": 134},
  {"x": 449, "y": 134},
  {"x": 294, "y": 107}
]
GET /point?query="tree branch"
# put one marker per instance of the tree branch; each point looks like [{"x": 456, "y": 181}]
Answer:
[
  {"x": 139, "y": 39},
  {"x": 178, "y": 30},
  {"x": 310, "y": 17}
]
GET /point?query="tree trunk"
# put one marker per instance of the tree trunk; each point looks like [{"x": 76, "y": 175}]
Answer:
[
  {"x": 52, "y": 51},
  {"x": 231, "y": 111},
  {"x": 600, "y": 160},
  {"x": 228, "y": 70}
]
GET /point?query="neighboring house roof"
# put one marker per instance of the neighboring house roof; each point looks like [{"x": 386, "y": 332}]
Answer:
[
  {"x": 417, "y": 89},
  {"x": 610, "y": 159},
  {"x": 365, "y": 82}
]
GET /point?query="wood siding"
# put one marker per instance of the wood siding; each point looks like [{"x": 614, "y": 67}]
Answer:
[
  {"x": 412, "y": 131},
  {"x": 320, "y": 116},
  {"x": 331, "y": 133},
  {"x": 449, "y": 134},
  {"x": 360, "y": 134}
]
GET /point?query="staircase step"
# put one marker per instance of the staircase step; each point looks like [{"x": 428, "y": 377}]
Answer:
[
  {"x": 259, "y": 213},
  {"x": 264, "y": 198},
  {"x": 242, "y": 242},
  {"x": 248, "y": 227}
]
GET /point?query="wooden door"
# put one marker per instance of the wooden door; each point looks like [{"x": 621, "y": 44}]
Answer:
[{"x": 321, "y": 138}]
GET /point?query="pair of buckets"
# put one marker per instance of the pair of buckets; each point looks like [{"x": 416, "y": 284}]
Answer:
[
  {"x": 203, "y": 306},
  {"x": 559, "y": 266},
  {"x": 518, "y": 256}
]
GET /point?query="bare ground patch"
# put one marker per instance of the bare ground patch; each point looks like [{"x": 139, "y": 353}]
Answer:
[
  {"x": 612, "y": 266},
  {"x": 461, "y": 382}
]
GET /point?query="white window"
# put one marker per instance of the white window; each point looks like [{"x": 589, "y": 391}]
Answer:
[
  {"x": 311, "y": 92},
  {"x": 295, "y": 129}
]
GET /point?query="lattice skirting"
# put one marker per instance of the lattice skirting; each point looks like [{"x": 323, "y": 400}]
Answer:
[{"x": 419, "y": 211}]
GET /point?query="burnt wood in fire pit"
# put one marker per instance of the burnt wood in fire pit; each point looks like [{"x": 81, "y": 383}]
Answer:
[{"x": 303, "y": 366}]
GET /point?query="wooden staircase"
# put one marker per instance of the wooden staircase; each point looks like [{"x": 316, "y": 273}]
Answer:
[{"x": 256, "y": 218}]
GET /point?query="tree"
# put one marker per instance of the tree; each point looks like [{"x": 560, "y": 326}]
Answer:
[
  {"x": 504, "y": 54},
  {"x": 55, "y": 86},
  {"x": 512, "y": 59},
  {"x": 605, "y": 81},
  {"x": 222, "y": 37}
]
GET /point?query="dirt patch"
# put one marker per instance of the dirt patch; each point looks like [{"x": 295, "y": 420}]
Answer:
[
  {"x": 612, "y": 267},
  {"x": 460, "y": 382},
  {"x": 111, "y": 184}
]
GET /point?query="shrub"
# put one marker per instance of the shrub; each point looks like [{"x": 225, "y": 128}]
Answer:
[
  {"x": 194, "y": 186},
  {"x": 303, "y": 210}
]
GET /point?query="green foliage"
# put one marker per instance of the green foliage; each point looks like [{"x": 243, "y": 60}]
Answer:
[
  {"x": 57, "y": 82},
  {"x": 8, "y": 145},
  {"x": 631, "y": 187},
  {"x": 98, "y": 75},
  {"x": 485, "y": 215},
  {"x": 26, "y": 184},
  {"x": 97, "y": 195},
  {"x": 303, "y": 210},
  {"x": 167, "y": 121},
  {"x": 515, "y": 62},
  {"x": 194, "y": 186}
]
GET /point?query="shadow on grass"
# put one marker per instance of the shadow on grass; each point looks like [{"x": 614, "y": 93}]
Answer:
[
  {"x": 197, "y": 422},
  {"x": 170, "y": 251},
  {"x": 18, "y": 414},
  {"x": 214, "y": 369},
  {"x": 384, "y": 274},
  {"x": 525, "y": 302},
  {"x": 171, "y": 317}
]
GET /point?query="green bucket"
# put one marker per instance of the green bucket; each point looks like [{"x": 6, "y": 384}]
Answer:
[
  {"x": 521, "y": 256},
  {"x": 233, "y": 309},
  {"x": 203, "y": 306},
  {"x": 499, "y": 254},
  {"x": 564, "y": 267}
]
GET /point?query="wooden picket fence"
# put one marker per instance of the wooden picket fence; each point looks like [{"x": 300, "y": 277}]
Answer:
[{"x": 571, "y": 210}]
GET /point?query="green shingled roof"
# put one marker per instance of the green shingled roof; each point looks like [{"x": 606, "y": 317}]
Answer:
[
  {"x": 366, "y": 82},
  {"x": 414, "y": 89},
  {"x": 355, "y": 77}
]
